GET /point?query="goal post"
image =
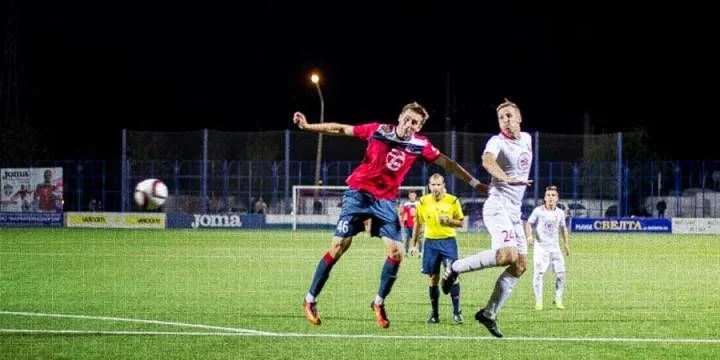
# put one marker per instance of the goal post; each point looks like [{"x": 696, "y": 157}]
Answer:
[{"x": 318, "y": 206}]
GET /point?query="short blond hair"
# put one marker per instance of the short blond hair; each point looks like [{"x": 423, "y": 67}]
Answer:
[
  {"x": 418, "y": 109},
  {"x": 505, "y": 104},
  {"x": 436, "y": 176}
]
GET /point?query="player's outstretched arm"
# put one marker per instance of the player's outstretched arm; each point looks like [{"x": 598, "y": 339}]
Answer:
[
  {"x": 489, "y": 161},
  {"x": 329, "y": 128},
  {"x": 454, "y": 168}
]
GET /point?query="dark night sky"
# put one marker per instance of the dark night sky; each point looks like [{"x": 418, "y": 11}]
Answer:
[{"x": 176, "y": 66}]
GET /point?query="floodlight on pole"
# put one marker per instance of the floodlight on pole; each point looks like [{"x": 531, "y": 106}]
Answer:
[{"x": 315, "y": 78}]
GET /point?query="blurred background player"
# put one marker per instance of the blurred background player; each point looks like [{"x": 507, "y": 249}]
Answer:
[
  {"x": 549, "y": 222},
  {"x": 46, "y": 193},
  {"x": 507, "y": 157},
  {"x": 24, "y": 196},
  {"x": 372, "y": 194},
  {"x": 407, "y": 219},
  {"x": 440, "y": 213}
]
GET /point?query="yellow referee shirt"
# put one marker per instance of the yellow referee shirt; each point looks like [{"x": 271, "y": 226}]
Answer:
[{"x": 428, "y": 213}]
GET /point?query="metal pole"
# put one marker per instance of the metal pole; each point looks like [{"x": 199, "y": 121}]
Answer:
[
  {"x": 318, "y": 158},
  {"x": 619, "y": 175},
  {"x": 287, "y": 171},
  {"x": 536, "y": 167},
  {"x": 453, "y": 155},
  {"x": 204, "y": 175},
  {"x": 124, "y": 171}
]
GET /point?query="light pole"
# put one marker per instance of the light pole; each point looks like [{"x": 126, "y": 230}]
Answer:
[{"x": 316, "y": 80}]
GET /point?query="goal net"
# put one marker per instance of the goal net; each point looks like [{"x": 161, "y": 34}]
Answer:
[{"x": 318, "y": 206}]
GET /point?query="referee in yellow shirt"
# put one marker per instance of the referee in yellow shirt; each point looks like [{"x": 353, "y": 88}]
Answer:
[{"x": 440, "y": 213}]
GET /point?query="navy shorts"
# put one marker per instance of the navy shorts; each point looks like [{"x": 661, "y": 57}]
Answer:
[
  {"x": 436, "y": 252},
  {"x": 408, "y": 233},
  {"x": 358, "y": 206}
]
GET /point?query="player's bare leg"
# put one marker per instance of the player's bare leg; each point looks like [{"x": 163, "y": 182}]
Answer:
[{"x": 337, "y": 248}]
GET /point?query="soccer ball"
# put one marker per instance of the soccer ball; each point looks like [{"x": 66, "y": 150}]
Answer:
[{"x": 150, "y": 194}]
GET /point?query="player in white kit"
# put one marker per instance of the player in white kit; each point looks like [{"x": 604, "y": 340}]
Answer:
[
  {"x": 549, "y": 223},
  {"x": 507, "y": 157}
]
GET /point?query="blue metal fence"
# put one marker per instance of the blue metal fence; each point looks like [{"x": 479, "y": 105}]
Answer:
[{"x": 589, "y": 185}]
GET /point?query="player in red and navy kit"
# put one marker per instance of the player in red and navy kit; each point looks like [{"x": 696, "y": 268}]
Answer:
[
  {"x": 407, "y": 219},
  {"x": 372, "y": 194}
]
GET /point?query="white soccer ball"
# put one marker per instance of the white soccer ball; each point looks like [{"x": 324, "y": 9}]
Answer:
[{"x": 150, "y": 194}]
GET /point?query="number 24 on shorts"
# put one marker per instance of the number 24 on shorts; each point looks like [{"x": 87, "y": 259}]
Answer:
[{"x": 507, "y": 235}]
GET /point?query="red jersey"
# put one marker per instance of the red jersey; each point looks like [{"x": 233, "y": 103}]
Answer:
[
  {"x": 22, "y": 194},
  {"x": 44, "y": 194},
  {"x": 387, "y": 159},
  {"x": 408, "y": 211}
]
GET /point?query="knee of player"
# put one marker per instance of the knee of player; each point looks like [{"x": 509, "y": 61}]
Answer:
[
  {"x": 396, "y": 253},
  {"x": 338, "y": 248},
  {"x": 520, "y": 269},
  {"x": 507, "y": 256}
]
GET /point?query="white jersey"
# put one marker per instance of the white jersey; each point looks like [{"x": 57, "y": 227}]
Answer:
[
  {"x": 514, "y": 157},
  {"x": 549, "y": 223}
]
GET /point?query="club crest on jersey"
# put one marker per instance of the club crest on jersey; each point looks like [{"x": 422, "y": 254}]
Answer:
[
  {"x": 395, "y": 159},
  {"x": 524, "y": 161},
  {"x": 550, "y": 226},
  {"x": 385, "y": 129}
]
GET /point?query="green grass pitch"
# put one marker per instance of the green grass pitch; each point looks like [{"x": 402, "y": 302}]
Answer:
[{"x": 166, "y": 294}]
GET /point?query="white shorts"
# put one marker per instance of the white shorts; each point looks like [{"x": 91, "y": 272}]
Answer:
[
  {"x": 544, "y": 258},
  {"x": 503, "y": 222}
]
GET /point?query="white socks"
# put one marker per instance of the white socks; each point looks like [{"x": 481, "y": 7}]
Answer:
[
  {"x": 503, "y": 287},
  {"x": 379, "y": 300},
  {"x": 481, "y": 260},
  {"x": 559, "y": 287},
  {"x": 538, "y": 287},
  {"x": 309, "y": 298}
]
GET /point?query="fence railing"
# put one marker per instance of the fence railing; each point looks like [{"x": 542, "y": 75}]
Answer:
[{"x": 208, "y": 171}]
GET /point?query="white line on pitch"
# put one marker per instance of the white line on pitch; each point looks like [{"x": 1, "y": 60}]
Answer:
[
  {"x": 356, "y": 336},
  {"x": 155, "y": 322},
  {"x": 248, "y": 332}
]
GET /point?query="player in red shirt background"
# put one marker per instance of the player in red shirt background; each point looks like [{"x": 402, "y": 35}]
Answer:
[
  {"x": 45, "y": 193},
  {"x": 24, "y": 195},
  {"x": 407, "y": 219},
  {"x": 372, "y": 194}
]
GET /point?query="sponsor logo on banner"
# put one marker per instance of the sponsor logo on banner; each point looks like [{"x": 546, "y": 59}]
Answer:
[
  {"x": 12, "y": 174},
  {"x": 19, "y": 219},
  {"x": 215, "y": 220},
  {"x": 696, "y": 225},
  {"x": 31, "y": 190},
  {"x": 144, "y": 220},
  {"x": 115, "y": 220},
  {"x": 620, "y": 225},
  {"x": 77, "y": 219}
]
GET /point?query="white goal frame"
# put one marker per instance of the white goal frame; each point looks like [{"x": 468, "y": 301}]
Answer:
[{"x": 332, "y": 219}]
